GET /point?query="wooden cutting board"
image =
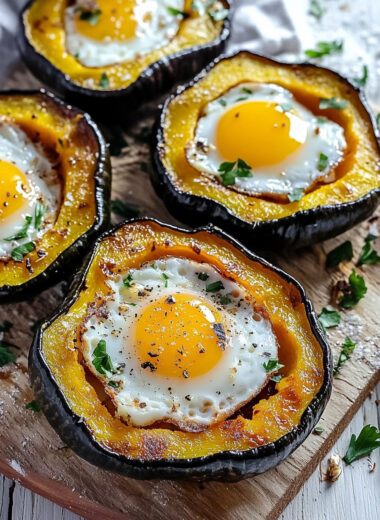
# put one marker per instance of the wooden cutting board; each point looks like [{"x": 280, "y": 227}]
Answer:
[{"x": 31, "y": 452}]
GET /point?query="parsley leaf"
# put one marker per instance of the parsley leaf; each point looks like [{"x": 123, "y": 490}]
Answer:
[
  {"x": 338, "y": 104},
  {"x": 19, "y": 252},
  {"x": 104, "y": 81},
  {"x": 5, "y": 326},
  {"x": 222, "y": 102},
  {"x": 23, "y": 231},
  {"x": 90, "y": 16},
  {"x": 127, "y": 281},
  {"x": 378, "y": 120},
  {"x": 203, "y": 276},
  {"x": 328, "y": 318},
  {"x": 33, "y": 406},
  {"x": 5, "y": 355},
  {"x": 296, "y": 194},
  {"x": 325, "y": 48},
  {"x": 102, "y": 361},
  {"x": 231, "y": 170},
  {"x": 177, "y": 12},
  {"x": 38, "y": 214},
  {"x": 367, "y": 441},
  {"x": 356, "y": 293},
  {"x": 368, "y": 255},
  {"x": 347, "y": 348},
  {"x": 247, "y": 90},
  {"x": 214, "y": 286},
  {"x": 322, "y": 162},
  {"x": 218, "y": 16},
  {"x": 316, "y": 9},
  {"x": 272, "y": 365},
  {"x": 361, "y": 82},
  {"x": 123, "y": 209},
  {"x": 225, "y": 299},
  {"x": 166, "y": 278},
  {"x": 342, "y": 252}
]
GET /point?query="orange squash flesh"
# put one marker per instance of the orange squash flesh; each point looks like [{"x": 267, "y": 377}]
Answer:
[
  {"x": 44, "y": 22},
  {"x": 299, "y": 350},
  {"x": 355, "y": 176},
  {"x": 67, "y": 133}
]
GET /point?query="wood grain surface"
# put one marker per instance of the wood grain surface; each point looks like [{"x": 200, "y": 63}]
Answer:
[{"x": 32, "y": 454}]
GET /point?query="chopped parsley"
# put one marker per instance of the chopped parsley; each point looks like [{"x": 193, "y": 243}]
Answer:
[
  {"x": 357, "y": 290},
  {"x": 19, "y": 252},
  {"x": 338, "y": 104},
  {"x": 318, "y": 430},
  {"x": 342, "y": 252},
  {"x": 325, "y": 48},
  {"x": 38, "y": 214},
  {"x": 127, "y": 281},
  {"x": 247, "y": 90},
  {"x": 166, "y": 278},
  {"x": 329, "y": 318},
  {"x": 361, "y": 82},
  {"x": 33, "y": 406},
  {"x": 296, "y": 194},
  {"x": 104, "y": 81},
  {"x": 113, "y": 384},
  {"x": 243, "y": 98},
  {"x": 123, "y": 209},
  {"x": 316, "y": 9},
  {"x": 23, "y": 231},
  {"x": 272, "y": 365},
  {"x": 102, "y": 361},
  {"x": 378, "y": 120},
  {"x": 322, "y": 120},
  {"x": 322, "y": 162},
  {"x": 223, "y": 102},
  {"x": 368, "y": 255},
  {"x": 88, "y": 15},
  {"x": 231, "y": 170},
  {"x": 203, "y": 276},
  {"x": 5, "y": 355},
  {"x": 225, "y": 299},
  {"x": 276, "y": 378},
  {"x": 214, "y": 287},
  {"x": 347, "y": 348},
  {"x": 367, "y": 441},
  {"x": 177, "y": 12},
  {"x": 286, "y": 107},
  {"x": 5, "y": 326}
]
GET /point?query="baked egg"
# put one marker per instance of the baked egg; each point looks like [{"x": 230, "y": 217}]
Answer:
[
  {"x": 176, "y": 342},
  {"x": 29, "y": 191},
  {"x": 259, "y": 139},
  {"x": 108, "y": 32}
]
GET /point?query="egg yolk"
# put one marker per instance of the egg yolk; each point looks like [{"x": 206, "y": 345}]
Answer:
[
  {"x": 116, "y": 19},
  {"x": 180, "y": 336},
  {"x": 13, "y": 184},
  {"x": 260, "y": 133}
]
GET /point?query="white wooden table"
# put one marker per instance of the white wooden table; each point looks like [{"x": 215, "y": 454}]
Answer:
[{"x": 355, "y": 496}]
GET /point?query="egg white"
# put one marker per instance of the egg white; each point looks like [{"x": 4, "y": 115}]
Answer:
[
  {"x": 298, "y": 171},
  {"x": 194, "y": 403},
  {"x": 29, "y": 158},
  {"x": 151, "y": 34}
]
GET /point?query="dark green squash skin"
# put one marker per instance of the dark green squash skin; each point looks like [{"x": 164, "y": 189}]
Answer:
[
  {"x": 224, "y": 466},
  {"x": 301, "y": 229},
  {"x": 116, "y": 105},
  {"x": 66, "y": 262}
]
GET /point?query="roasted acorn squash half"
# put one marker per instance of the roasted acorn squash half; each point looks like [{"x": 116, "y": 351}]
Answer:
[
  {"x": 288, "y": 189},
  {"x": 143, "y": 287},
  {"x": 68, "y": 46},
  {"x": 55, "y": 177}
]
